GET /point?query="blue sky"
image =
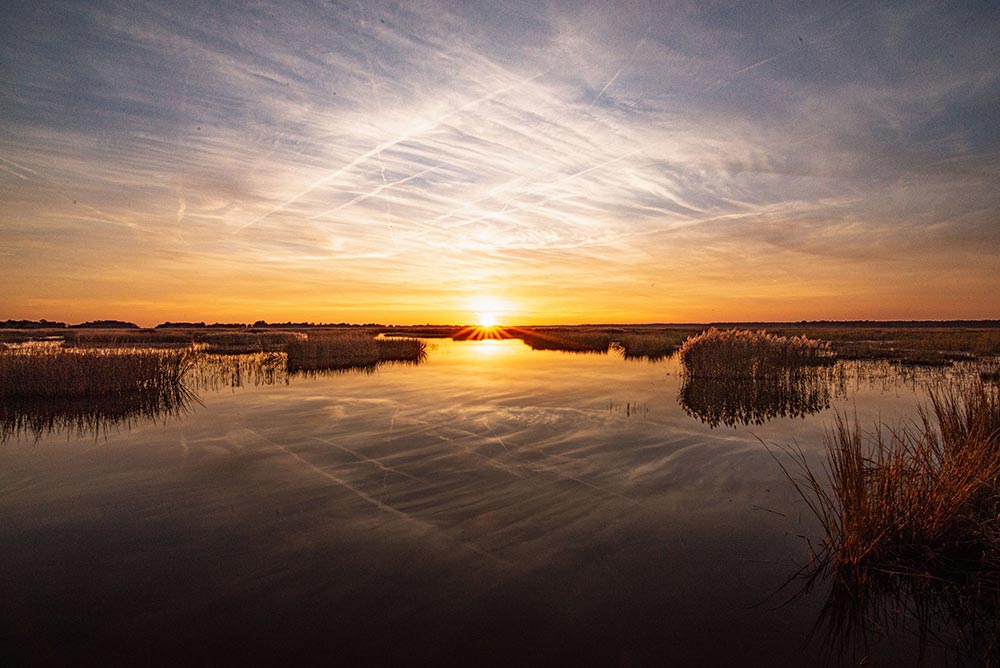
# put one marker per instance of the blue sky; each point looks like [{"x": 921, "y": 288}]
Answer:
[{"x": 553, "y": 162}]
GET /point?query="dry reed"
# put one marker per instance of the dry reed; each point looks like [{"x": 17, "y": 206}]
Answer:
[
  {"x": 48, "y": 370},
  {"x": 917, "y": 500},
  {"x": 736, "y": 353},
  {"x": 345, "y": 351}
]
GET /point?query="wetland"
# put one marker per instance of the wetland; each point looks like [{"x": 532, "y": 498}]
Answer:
[{"x": 470, "y": 500}]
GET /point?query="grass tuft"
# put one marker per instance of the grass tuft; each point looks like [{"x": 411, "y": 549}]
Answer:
[
  {"x": 47, "y": 370},
  {"x": 741, "y": 353},
  {"x": 346, "y": 351}
]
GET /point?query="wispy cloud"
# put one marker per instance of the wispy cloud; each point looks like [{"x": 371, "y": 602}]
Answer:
[{"x": 297, "y": 160}]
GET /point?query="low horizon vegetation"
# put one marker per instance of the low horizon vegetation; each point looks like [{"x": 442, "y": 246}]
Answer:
[
  {"x": 900, "y": 344},
  {"x": 742, "y": 353}
]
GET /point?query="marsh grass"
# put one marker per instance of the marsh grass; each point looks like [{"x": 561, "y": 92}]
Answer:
[
  {"x": 48, "y": 370},
  {"x": 566, "y": 339},
  {"x": 740, "y": 353},
  {"x": 915, "y": 498},
  {"x": 45, "y": 388},
  {"x": 350, "y": 350},
  {"x": 231, "y": 342},
  {"x": 230, "y": 371},
  {"x": 911, "y": 518},
  {"x": 652, "y": 345}
]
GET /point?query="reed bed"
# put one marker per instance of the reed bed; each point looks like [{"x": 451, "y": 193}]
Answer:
[
  {"x": 231, "y": 342},
  {"x": 652, "y": 345},
  {"x": 346, "y": 351},
  {"x": 229, "y": 371},
  {"x": 740, "y": 353},
  {"x": 911, "y": 522},
  {"x": 48, "y": 370},
  {"x": 125, "y": 338},
  {"x": 921, "y": 500},
  {"x": 566, "y": 339}
]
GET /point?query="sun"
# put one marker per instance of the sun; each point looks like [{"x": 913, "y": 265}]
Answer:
[
  {"x": 486, "y": 311},
  {"x": 487, "y": 320}
]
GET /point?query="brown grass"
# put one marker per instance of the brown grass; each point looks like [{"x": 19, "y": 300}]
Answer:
[
  {"x": 350, "y": 350},
  {"x": 919, "y": 500},
  {"x": 47, "y": 370},
  {"x": 45, "y": 388},
  {"x": 740, "y": 353}
]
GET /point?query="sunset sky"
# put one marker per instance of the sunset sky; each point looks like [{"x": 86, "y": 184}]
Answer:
[{"x": 546, "y": 162}]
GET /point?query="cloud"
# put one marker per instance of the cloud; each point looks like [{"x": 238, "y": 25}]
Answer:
[{"x": 394, "y": 153}]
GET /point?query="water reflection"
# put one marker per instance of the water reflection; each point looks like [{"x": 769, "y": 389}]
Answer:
[
  {"x": 419, "y": 516},
  {"x": 35, "y": 417},
  {"x": 955, "y": 615},
  {"x": 754, "y": 401}
]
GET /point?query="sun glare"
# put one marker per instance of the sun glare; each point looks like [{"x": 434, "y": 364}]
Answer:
[{"x": 487, "y": 311}]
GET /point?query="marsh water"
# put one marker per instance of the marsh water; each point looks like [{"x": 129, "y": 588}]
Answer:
[{"x": 490, "y": 505}]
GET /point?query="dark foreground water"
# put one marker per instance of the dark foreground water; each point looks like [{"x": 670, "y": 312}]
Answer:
[{"x": 491, "y": 506}]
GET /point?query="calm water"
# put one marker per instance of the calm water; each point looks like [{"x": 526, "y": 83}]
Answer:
[{"x": 493, "y": 505}]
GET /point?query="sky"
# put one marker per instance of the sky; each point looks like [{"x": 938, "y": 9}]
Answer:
[{"x": 539, "y": 162}]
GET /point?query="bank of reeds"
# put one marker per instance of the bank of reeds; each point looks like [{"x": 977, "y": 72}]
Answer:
[
  {"x": 652, "y": 345},
  {"x": 920, "y": 500},
  {"x": 345, "y": 351},
  {"x": 566, "y": 339},
  {"x": 247, "y": 342},
  {"x": 741, "y": 353},
  {"x": 49, "y": 370}
]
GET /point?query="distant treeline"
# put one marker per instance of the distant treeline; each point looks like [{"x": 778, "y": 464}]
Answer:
[
  {"x": 260, "y": 324},
  {"x": 48, "y": 324},
  {"x": 31, "y": 324},
  {"x": 263, "y": 324}
]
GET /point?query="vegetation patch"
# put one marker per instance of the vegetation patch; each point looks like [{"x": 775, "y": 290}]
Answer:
[
  {"x": 350, "y": 350},
  {"x": 49, "y": 370},
  {"x": 911, "y": 518},
  {"x": 741, "y": 353}
]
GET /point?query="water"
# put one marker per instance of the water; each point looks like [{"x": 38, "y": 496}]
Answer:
[{"x": 493, "y": 505}]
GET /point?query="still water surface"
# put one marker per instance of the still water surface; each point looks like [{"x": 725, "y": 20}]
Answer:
[{"x": 493, "y": 505}]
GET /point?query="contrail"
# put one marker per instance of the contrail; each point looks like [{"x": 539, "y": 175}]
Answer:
[
  {"x": 387, "y": 145},
  {"x": 631, "y": 57},
  {"x": 610, "y": 81},
  {"x": 763, "y": 62},
  {"x": 21, "y": 167},
  {"x": 537, "y": 189},
  {"x": 13, "y": 173},
  {"x": 373, "y": 193}
]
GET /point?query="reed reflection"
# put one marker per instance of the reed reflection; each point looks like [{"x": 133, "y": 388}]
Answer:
[
  {"x": 753, "y": 401},
  {"x": 49, "y": 390},
  {"x": 955, "y": 612}
]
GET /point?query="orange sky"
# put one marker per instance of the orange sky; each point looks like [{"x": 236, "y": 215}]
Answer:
[{"x": 658, "y": 163}]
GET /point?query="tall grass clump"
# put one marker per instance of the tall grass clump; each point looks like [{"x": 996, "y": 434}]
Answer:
[
  {"x": 45, "y": 388},
  {"x": 740, "y": 353},
  {"x": 48, "y": 370},
  {"x": 566, "y": 339},
  {"x": 346, "y": 351},
  {"x": 919, "y": 500},
  {"x": 651, "y": 345}
]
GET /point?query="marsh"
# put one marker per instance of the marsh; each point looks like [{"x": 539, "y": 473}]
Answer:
[{"x": 488, "y": 504}]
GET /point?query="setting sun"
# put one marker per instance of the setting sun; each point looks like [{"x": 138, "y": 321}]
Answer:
[
  {"x": 486, "y": 312},
  {"x": 487, "y": 320}
]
